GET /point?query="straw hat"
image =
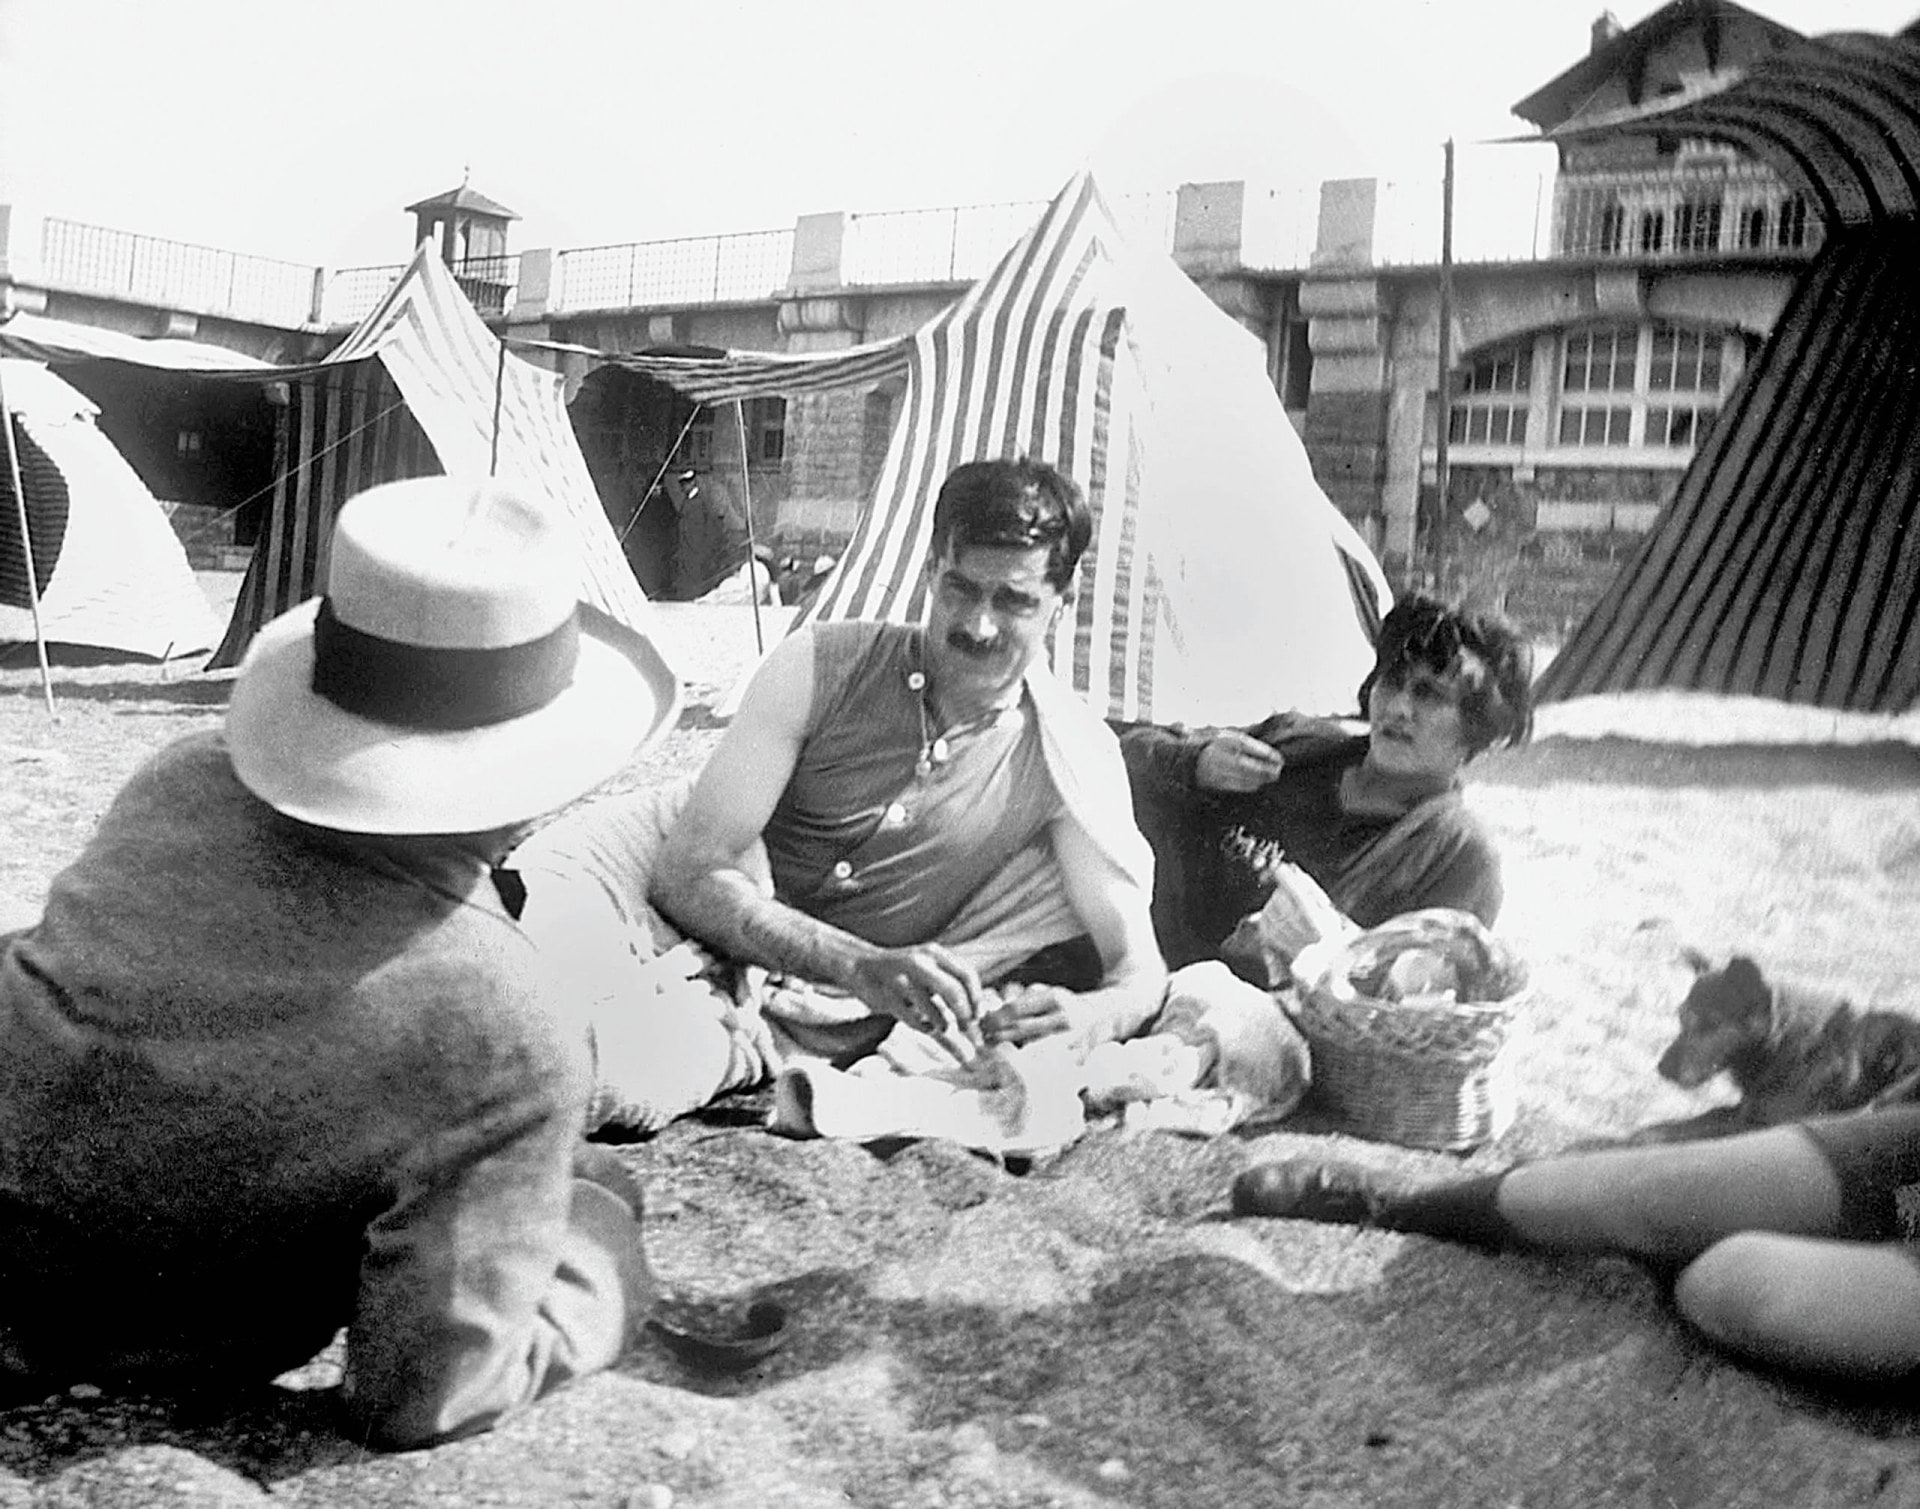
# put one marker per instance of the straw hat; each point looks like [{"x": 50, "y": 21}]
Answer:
[{"x": 449, "y": 681}]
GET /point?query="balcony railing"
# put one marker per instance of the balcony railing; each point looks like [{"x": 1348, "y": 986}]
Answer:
[
  {"x": 687, "y": 270},
  {"x": 1507, "y": 208},
  {"x": 352, "y": 292},
  {"x": 1730, "y": 209},
  {"x": 959, "y": 243},
  {"x": 175, "y": 274},
  {"x": 1508, "y": 213}
]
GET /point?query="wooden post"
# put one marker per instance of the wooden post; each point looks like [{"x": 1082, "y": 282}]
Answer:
[
  {"x": 1440, "y": 459},
  {"x": 753, "y": 554}
]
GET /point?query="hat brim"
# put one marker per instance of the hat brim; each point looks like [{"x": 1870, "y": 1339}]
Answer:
[{"x": 314, "y": 761}]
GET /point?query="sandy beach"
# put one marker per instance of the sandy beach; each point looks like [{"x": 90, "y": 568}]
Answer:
[{"x": 1095, "y": 1330}]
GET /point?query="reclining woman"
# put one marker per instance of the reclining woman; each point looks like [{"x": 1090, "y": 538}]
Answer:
[
  {"x": 1790, "y": 1244},
  {"x": 1372, "y": 813}
]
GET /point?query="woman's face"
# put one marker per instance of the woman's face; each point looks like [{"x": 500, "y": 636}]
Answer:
[{"x": 1417, "y": 727}]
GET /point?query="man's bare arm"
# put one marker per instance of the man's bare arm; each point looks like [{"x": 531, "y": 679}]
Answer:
[
  {"x": 1116, "y": 914},
  {"x": 703, "y": 880}
]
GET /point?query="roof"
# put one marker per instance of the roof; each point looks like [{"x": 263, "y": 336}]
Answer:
[
  {"x": 463, "y": 198},
  {"x": 1627, "y": 54},
  {"x": 1838, "y": 115}
]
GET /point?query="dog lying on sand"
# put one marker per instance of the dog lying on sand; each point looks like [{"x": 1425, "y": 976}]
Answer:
[{"x": 1791, "y": 1050}]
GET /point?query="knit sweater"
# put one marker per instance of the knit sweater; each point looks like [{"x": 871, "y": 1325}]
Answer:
[
  {"x": 258, "y": 1081},
  {"x": 1209, "y": 846}
]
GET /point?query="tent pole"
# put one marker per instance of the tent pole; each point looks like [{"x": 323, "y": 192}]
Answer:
[
  {"x": 26, "y": 549},
  {"x": 1444, "y": 380},
  {"x": 753, "y": 553},
  {"x": 499, "y": 388},
  {"x": 647, "y": 496}
]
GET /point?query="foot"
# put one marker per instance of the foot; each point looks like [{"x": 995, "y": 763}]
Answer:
[{"x": 1310, "y": 1189}]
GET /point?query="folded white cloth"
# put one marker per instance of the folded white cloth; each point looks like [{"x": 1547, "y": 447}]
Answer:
[{"x": 1013, "y": 1102}]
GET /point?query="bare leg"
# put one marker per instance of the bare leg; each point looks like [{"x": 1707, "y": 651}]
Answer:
[
  {"x": 1673, "y": 1201},
  {"x": 1833, "y": 1177},
  {"x": 1850, "y": 1309}
]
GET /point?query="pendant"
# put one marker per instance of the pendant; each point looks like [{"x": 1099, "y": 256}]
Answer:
[{"x": 938, "y": 752}]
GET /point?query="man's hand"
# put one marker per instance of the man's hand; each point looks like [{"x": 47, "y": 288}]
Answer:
[
  {"x": 1026, "y": 1014},
  {"x": 928, "y": 987},
  {"x": 1236, "y": 761}
]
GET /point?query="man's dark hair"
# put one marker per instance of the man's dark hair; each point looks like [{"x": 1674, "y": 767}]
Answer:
[
  {"x": 1484, "y": 650},
  {"x": 1016, "y": 504}
]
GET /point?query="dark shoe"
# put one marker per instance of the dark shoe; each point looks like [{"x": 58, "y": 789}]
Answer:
[{"x": 1310, "y": 1189}]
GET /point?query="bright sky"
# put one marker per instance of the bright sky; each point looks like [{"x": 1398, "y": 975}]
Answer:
[{"x": 301, "y": 131}]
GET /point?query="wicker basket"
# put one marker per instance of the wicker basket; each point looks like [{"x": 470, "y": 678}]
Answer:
[{"x": 1420, "y": 1075}]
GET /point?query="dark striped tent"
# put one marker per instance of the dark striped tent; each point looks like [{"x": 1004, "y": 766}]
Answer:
[
  {"x": 1221, "y": 583},
  {"x": 1788, "y": 563},
  {"x": 422, "y": 386}
]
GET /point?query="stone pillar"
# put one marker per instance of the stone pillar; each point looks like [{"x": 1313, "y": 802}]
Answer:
[
  {"x": 1209, "y": 227},
  {"x": 824, "y": 430},
  {"x": 23, "y": 273},
  {"x": 819, "y": 251},
  {"x": 1344, "y": 236},
  {"x": 1349, "y": 408},
  {"x": 533, "y": 289}
]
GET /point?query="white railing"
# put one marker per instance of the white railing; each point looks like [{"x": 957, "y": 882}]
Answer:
[
  {"x": 175, "y": 274},
  {"x": 960, "y": 243},
  {"x": 352, "y": 292},
  {"x": 745, "y": 266}
]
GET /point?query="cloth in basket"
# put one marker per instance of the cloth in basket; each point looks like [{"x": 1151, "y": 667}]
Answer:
[{"x": 1407, "y": 1022}]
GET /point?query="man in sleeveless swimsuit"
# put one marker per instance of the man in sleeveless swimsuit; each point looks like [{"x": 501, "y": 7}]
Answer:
[{"x": 913, "y": 827}]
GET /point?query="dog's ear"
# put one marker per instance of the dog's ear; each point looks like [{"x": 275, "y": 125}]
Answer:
[
  {"x": 1744, "y": 975},
  {"x": 1696, "y": 961}
]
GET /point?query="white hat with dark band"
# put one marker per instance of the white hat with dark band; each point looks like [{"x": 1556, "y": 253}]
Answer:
[{"x": 449, "y": 681}]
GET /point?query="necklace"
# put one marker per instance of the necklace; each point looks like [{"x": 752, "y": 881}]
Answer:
[{"x": 934, "y": 749}]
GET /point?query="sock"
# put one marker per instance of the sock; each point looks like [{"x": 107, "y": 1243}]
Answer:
[
  {"x": 1463, "y": 1210},
  {"x": 1306, "y": 1189}
]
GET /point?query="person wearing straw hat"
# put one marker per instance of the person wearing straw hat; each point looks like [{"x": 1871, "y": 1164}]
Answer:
[{"x": 277, "y": 1058}]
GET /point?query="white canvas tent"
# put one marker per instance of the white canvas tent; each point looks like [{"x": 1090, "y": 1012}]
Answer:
[
  {"x": 1221, "y": 585},
  {"x": 109, "y": 571}
]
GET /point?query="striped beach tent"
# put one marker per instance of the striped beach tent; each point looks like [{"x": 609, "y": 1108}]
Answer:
[
  {"x": 1788, "y": 563},
  {"x": 420, "y": 386},
  {"x": 1221, "y": 583}
]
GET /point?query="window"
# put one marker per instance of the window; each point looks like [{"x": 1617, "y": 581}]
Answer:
[
  {"x": 697, "y": 449},
  {"x": 1597, "y": 370},
  {"x": 186, "y": 444},
  {"x": 767, "y": 430},
  {"x": 1641, "y": 385},
  {"x": 1792, "y": 221},
  {"x": 1683, "y": 378},
  {"x": 1613, "y": 229},
  {"x": 1696, "y": 225},
  {"x": 1490, "y": 400},
  {"x": 1653, "y": 230}
]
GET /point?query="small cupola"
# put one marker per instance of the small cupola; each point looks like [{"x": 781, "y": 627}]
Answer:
[{"x": 463, "y": 224}]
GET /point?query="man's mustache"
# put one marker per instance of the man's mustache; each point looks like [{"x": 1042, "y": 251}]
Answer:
[{"x": 966, "y": 644}]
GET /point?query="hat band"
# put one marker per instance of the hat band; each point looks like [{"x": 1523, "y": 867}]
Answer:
[{"x": 431, "y": 686}]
